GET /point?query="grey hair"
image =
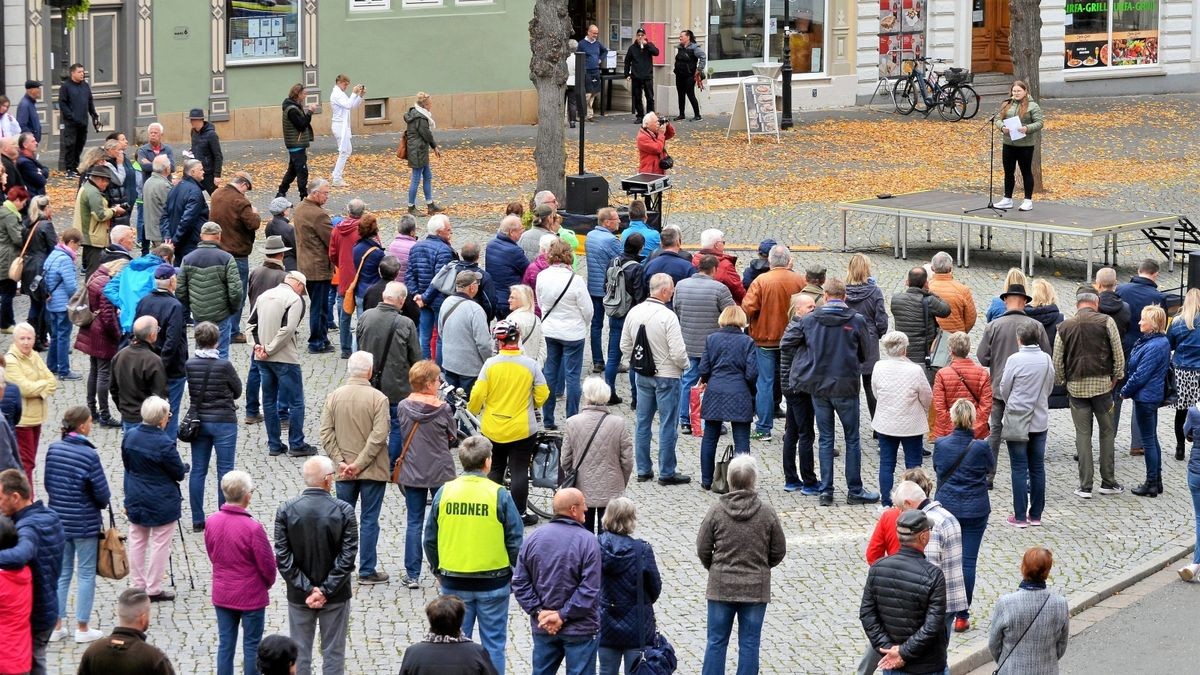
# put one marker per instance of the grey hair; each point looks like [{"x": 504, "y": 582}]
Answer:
[
  {"x": 542, "y": 197},
  {"x": 1087, "y": 298},
  {"x": 408, "y": 224},
  {"x": 1106, "y": 277},
  {"x": 1027, "y": 332},
  {"x": 236, "y": 486},
  {"x": 960, "y": 344},
  {"x": 437, "y": 223},
  {"x": 190, "y": 164},
  {"x": 941, "y": 263},
  {"x": 132, "y": 604},
  {"x": 24, "y": 327},
  {"x": 710, "y": 237},
  {"x": 596, "y": 391},
  {"x": 525, "y": 293},
  {"x": 743, "y": 473},
  {"x": 906, "y": 539},
  {"x": 507, "y": 222},
  {"x": 161, "y": 164},
  {"x": 660, "y": 281},
  {"x": 118, "y": 233},
  {"x": 779, "y": 256},
  {"x": 316, "y": 184},
  {"x": 154, "y": 410},
  {"x": 355, "y": 207},
  {"x": 648, "y": 118},
  {"x": 545, "y": 242},
  {"x": 620, "y": 516},
  {"x": 315, "y": 469},
  {"x": 395, "y": 291},
  {"x": 894, "y": 343},
  {"x": 908, "y": 491},
  {"x": 152, "y": 125},
  {"x": 144, "y": 327},
  {"x": 360, "y": 364},
  {"x": 163, "y": 284},
  {"x": 474, "y": 452},
  {"x": 573, "y": 45}
]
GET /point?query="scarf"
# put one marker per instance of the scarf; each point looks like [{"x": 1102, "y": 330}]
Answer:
[
  {"x": 428, "y": 115},
  {"x": 1032, "y": 586},
  {"x": 208, "y": 353},
  {"x": 445, "y": 639}
]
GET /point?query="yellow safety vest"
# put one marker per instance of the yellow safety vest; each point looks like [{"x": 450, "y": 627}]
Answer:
[{"x": 470, "y": 535}]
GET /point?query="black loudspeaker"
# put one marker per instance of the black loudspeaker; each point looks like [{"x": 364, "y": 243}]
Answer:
[
  {"x": 1193, "y": 270},
  {"x": 586, "y": 193}
]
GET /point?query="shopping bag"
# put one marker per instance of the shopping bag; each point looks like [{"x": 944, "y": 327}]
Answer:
[{"x": 694, "y": 398}]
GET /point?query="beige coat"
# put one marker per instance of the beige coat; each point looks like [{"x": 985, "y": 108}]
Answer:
[
  {"x": 354, "y": 428},
  {"x": 35, "y": 381},
  {"x": 605, "y": 470}
]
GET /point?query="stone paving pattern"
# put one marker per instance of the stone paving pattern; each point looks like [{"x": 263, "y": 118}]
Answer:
[{"x": 812, "y": 624}]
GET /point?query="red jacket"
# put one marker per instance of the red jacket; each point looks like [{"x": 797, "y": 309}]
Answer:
[
  {"x": 653, "y": 147},
  {"x": 962, "y": 378},
  {"x": 16, "y": 606},
  {"x": 726, "y": 272},
  {"x": 341, "y": 251},
  {"x": 884, "y": 540},
  {"x": 101, "y": 337}
]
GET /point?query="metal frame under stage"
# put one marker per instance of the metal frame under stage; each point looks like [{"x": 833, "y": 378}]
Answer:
[{"x": 1047, "y": 218}]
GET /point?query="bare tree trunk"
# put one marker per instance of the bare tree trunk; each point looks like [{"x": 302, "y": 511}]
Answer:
[
  {"x": 1025, "y": 44},
  {"x": 548, "y": 33}
]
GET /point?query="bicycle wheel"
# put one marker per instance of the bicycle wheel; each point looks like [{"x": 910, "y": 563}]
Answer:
[
  {"x": 972, "y": 99},
  {"x": 952, "y": 104},
  {"x": 541, "y": 501},
  {"x": 900, "y": 96},
  {"x": 916, "y": 98}
]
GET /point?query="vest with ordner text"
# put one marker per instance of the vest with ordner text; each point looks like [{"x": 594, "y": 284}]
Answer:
[{"x": 470, "y": 535}]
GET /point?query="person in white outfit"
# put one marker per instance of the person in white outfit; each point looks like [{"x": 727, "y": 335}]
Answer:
[{"x": 342, "y": 104}]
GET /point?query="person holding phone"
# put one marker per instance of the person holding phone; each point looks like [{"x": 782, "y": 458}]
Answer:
[
  {"x": 639, "y": 70},
  {"x": 1019, "y": 151},
  {"x": 342, "y": 105}
]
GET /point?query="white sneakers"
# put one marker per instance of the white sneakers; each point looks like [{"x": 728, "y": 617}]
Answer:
[
  {"x": 1189, "y": 572},
  {"x": 81, "y": 636},
  {"x": 1006, "y": 203},
  {"x": 58, "y": 634},
  {"x": 1026, "y": 205},
  {"x": 338, "y": 183}
]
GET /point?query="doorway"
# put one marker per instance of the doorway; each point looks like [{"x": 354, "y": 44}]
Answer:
[
  {"x": 96, "y": 42},
  {"x": 583, "y": 14},
  {"x": 990, "y": 27}
]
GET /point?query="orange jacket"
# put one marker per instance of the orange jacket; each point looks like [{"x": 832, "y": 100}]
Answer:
[
  {"x": 962, "y": 378},
  {"x": 766, "y": 304},
  {"x": 958, "y": 296}
]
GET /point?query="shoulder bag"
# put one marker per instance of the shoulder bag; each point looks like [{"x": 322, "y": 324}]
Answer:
[
  {"x": 442, "y": 324},
  {"x": 189, "y": 426},
  {"x": 942, "y": 478},
  {"x": 17, "y": 267},
  {"x": 402, "y": 149},
  {"x": 403, "y": 451},
  {"x": 544, "y": 466},
  {"x": 377, "y": 373},
  {"x": 113, "y": 562},
  {"x": 348, "y": 300},
  {"x": 974, "y": 396},
  {"x": 1014, "y": 424},
  {"x": 658, "y": 657},
  {"x": 560, "y": 297},
  {"x": 720, "y": 484},
  {"x": 572, "y": 477},
  {"x": 1018, "y": 642},
  {"x": 937, "y": 352}
]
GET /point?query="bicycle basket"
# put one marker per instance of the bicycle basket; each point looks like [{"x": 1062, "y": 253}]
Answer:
[{"x": 959, "y": 76}]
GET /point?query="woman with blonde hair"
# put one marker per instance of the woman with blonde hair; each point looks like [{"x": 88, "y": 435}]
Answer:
[
  {"x": 728, "y": 372},
  {"x": 1149, "y": 364},
  {"x": 864, "y": 296},
  {"x": 41, "y": 243},
  {"x": 996, "y": 308},
  {"x": 521, "y": 302},
  {"x": 1044, "y": 309},
  {"x": 1184, "y": 336},
  {"x": 418, "y": 134}
]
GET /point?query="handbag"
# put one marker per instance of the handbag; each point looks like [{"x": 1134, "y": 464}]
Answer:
[
  {"x": 17, "y": 267},
  {"x": 349, "y": 300},
  {"x": 572, "y": 477},
  {"x": 1018, "y": 642},
  {"x": 543, "y": 467},
  {"x": 112, "y": 561},
  {"x": 1014, "y": 425},
  {"x": 720, "y": 484},
  {"x": 1170, "y": 389},
  {"x": 189, "y": 426},
  {"x": 403, "y": 451},
  {"x": 666, "y": 163},
  {"x": 658, "y": 657},
  {"x": 938, "y": 353},
  {"x": 402, "y": 149}
]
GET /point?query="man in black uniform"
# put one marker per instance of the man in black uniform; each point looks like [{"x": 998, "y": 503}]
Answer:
[
  {"x": 639, "y": 70},
  {"x": 75, "y": 104}
]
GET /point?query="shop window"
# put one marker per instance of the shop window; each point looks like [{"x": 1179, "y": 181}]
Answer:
[
  {"x": 1111, "y": 35},
  {"x": 737, "y": 30},
  {"x": 620, "y": 28},
  {"x": 260, "y": 30},
  {"x": 370, "y": 4}
]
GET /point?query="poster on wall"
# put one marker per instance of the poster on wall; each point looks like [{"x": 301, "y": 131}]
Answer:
[
  {"x": 253, "y": 24},
  {"x": 901, "y": 35}
]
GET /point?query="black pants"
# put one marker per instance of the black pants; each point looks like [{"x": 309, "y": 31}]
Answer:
[
  {"x": 640, "y": 86},
  {"x": 209, "y": 183},
  {"x": 91, "y": 260},
  {"x": 73, "y": 138},
  {"x": 98, "y": 381},
  {"x": 799, "y": 435},
  {"x": 298, "y": 171},
  {"x": 866, "y": 383},
  {"x": 1013, "y": 156},
  {"x": 572, "y": 104},
  {"x": 518, "y": 453},
  {"x": 8, "y": 291},
  {"x": 686, "y": 85},
  {"x": 594, "y": 518}
]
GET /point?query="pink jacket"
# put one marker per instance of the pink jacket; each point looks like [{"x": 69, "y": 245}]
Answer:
[
  {"x": 243, "y": 562},
  {"x": 16, "y": 605}
]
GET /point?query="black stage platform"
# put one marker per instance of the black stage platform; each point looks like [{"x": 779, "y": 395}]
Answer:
[{"x": 1046, "y": 218}]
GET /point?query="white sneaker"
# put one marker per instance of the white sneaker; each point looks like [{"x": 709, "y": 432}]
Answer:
[
  {"x": 338, "y": 183},
  {"x": 58, "y": 634},
  {"x": 89, "y": 635},
  {"x": 1027, "y": 205},
  {"x": 1114, "y": 490},
  {"x": 1189, "y": 572},
  {"x": 1006, "y": 203},
  {"x": 1085, "y": 494}
]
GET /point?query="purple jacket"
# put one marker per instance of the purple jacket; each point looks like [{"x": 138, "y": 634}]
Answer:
[
  {"x": 243, "y": 562},
  {"x": 559, "y": 568}
]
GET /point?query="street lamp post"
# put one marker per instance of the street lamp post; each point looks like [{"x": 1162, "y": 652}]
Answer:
[{"x": 786, "y": 121}]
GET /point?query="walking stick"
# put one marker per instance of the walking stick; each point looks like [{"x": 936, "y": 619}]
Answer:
[
  {"x": 187, "y": 563},
  {"x": 171, "y": 569}
]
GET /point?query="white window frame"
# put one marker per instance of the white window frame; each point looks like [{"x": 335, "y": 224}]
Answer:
[
  {"x": 370, "y": 5},
  {"x": 383, "y": 110},
  {"x": 472, "y": 3},
  {"x": 421, "y": 4}
]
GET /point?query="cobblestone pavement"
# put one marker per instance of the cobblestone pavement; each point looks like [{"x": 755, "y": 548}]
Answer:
[{"x": 811, "y": 625}]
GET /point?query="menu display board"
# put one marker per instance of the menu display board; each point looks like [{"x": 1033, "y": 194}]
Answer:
[
  {"x": 754, "y": 108},
  {"x": 1104, "y": 34},
  {"x": 901, "y": 35}
]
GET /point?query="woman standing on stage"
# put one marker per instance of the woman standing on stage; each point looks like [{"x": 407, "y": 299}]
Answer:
[{"x": 1019, "y": 152}]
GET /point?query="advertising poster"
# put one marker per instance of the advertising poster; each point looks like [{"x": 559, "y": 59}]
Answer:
[{"x": 901, "y": 35}]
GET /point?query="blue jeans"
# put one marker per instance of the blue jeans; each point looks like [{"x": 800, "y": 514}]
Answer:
[
  {"x": 371, "y": 492},
  {"x": 227, "y": 629},
  {"x": 750, "y": 617},
  {"x": 84, "y": 551},
  {"x": 254, "y": 391},
  {"x": 414, "y": 501},
  {"x": 579, "y": 651},
  {"x": 611, "y": 659},
  {"x": 464, "y": 382},
  {"x": 222, "y": 436},
  {"x": 708, "y": 446},
  {"x": 972, "y": 538},
  {"x": 426, "y": 331},
  {"x": 1193, "y": 481},
  {"x": 798, "y": 438},
  {"x": 564, "y": 360},
  {"x": 490, "y": 608},
  {"x": 281, "y": 382},
  {"x": 175, "y": 389},
  {"x": 1028, "y": 461},
  {"x": 846, "y": 408},
  {"x": 1146, "y": 415},
  {"x": 657, "y": 394},
  {"x": 688, "y": 380},
  {"x": 318, "y": 317},
  {"x": 888, "y": 445},
  {"x": 394, "y": 441},
  {"x": 226, "y": 327},
  {"x": 612, "y": 365},
  {"x": 423, "y": 175},
  {"x": 598, "y": 329},
  {"x": 58, "y": 356},
  {"x": 345, "y": 334},
  {"x": 243, "y": 267},
  {"x": 764, "y": 397}
]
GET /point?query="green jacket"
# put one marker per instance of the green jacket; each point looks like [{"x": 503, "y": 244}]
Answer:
[
  {"x": 420, "y": 138},
  {"x": 93, "y": 218},
  {"x": 1032, "y": 119},
  {"x": 11, "y": 240},
  {"x": 209, "y": 284}
]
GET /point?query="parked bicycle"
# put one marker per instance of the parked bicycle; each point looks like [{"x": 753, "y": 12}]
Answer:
[{"x": 949, "y": 91}]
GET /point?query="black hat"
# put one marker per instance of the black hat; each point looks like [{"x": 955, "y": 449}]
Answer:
[
  {"x": 641, "y": 31},
  {"x": 913, "y": 521},
  {"x": 1016, "y": 289},
  {"x": 196, "y": 114},
  {"x": 276, "y": 654},
  {"x": 32, "y": 84}
]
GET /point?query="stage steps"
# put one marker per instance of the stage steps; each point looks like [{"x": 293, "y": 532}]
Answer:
[{"x": 1187, "y": 238}]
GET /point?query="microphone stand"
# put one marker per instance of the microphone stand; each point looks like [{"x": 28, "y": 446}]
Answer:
[{"x": 991, "y": 206}]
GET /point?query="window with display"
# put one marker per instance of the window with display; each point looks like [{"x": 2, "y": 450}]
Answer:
[
  {"x": 1111, "y": 34},
  {"x": 737, "y": 30},
  {"x": 262, "y": 30}
]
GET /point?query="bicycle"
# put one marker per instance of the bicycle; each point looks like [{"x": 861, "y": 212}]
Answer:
[{"x": 949, "y": 91}]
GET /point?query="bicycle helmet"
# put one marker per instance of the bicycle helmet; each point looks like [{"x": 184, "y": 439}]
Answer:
[{"x": 506, "y": 331}]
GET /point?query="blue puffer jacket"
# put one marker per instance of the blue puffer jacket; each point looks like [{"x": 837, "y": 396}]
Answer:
[
  {"x": 424, "y": 260},
  {"x": 152, "y": 474},
  {"x": 10, "y": 455},
  {"x": 622, "y": 559},
  {"x": 678, "y": 265},
  {"x": 39, "y": 545},
  {"x": 76, "y": 485},
  {"x": 831, "y": 347},
  {"x": 12, "y": 404},
  {"x": 1147, "y": 368},
  {"x": 506, "y": 262},
  {"x": 1139, "y": 293},
  {"x": 730, "y": 368},
  {"x": 61, "y": 279},
  {"x": 603, "y": 247},
  {"x": 964, "y": 492},
  {"x": 1186, "y": 343},
  {"x": 128, "y": 288}
]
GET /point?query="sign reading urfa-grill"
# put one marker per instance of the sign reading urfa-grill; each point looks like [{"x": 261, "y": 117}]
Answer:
[{"x": 1077, "y": 7}]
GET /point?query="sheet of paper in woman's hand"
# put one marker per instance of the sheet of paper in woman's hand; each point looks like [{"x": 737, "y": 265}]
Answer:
[{"x": 1014, "y": 128}]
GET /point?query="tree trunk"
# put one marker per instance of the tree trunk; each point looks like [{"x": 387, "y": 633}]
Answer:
[
  {"x": 548, "y": 33},
  {"x": 1025, "y": 44}
]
